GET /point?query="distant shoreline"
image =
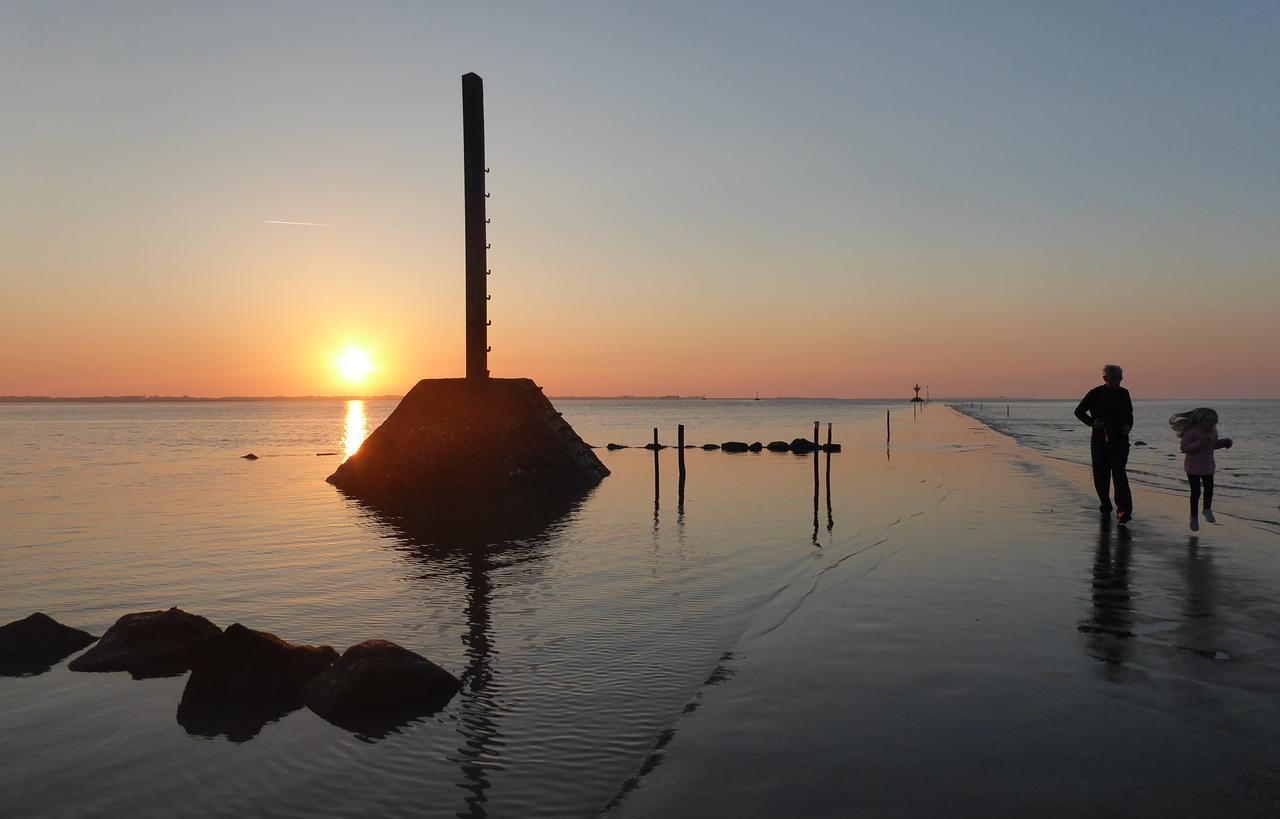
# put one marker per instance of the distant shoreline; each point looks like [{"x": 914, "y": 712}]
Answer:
[
  {"x": 187, "y": 399},
  {"x": 183, "y": 399}
]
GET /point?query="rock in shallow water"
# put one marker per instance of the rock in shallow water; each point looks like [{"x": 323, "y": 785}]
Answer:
[
  {"x": 35, "y": 643},
  {"x": 376, "y": 685},
  {"x": 148, "y": 644},
  {"x": 802, "y": 446},
  {"x": 246, "y": 665},
  {"x": 243, "y": 679}
]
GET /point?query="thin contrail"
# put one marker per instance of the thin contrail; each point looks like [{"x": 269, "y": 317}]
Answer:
[{"x": 303, "y": 224}]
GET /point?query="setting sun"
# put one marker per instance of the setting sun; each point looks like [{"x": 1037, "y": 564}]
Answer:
[{"x": 354, "y": 365}]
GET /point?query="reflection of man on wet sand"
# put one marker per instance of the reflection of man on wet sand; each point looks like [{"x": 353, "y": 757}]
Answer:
[
  {"x": 1109, "y": 411},
  {"x": 1110, "y": 623}
]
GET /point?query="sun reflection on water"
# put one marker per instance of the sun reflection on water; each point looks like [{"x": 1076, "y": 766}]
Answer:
[{"x": 357, "y": 427}]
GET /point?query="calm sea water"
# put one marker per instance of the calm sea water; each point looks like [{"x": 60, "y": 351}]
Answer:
[
  {"x": 580, "y": 645},
  {"x": 1247, "y": 484}
]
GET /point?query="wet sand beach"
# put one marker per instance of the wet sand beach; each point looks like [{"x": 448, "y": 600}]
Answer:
[{"x": 994, "y": 647}]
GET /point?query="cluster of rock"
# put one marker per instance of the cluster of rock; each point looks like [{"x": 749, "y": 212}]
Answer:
[
  {"x": 242, "y": 678},
  {"x": 799, "y": 446}
]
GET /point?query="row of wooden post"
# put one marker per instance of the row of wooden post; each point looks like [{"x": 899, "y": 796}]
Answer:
[
  {"x": 680, "y": 462},
  {"x": 680, "y": 440}
]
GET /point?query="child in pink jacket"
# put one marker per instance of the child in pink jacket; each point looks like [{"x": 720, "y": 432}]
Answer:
[{"x": 1198, "y": 429}]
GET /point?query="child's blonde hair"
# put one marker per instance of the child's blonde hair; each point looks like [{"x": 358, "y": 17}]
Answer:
[{"x": 1202, "y": 417}]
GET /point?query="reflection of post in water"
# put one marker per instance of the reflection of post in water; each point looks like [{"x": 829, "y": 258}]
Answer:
[
  {"x": 472, "y": 543},
  {"x": 480, "y": 732},
  {"x": 1111, "y": 616},
  {"x": 815, "y": 484},
  {"x": 831, "y": 521},
  {"x": 655, "y": 479}
]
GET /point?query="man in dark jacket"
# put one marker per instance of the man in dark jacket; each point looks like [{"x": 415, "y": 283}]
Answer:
[{"x": 1109, "y": 410}]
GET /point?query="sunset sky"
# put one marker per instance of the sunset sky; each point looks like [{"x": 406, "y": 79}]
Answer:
[{"x": 723, "y": 198}]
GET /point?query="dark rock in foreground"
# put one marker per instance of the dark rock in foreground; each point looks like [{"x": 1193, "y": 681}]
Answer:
[
  {"x": 734, "y": 446},
  {"x": 148, "y": 644},
  {"x": 247, "y": 665},
  {"x": 249, "y": 457},
  {"x": 710, "y": 446},
  {"x": 35, "y": 643},
  {"x": 458, "y": 447},
  {"x": 616, "y": 446},
  {"x": 243, "y": 679},
  {"x": 777, "y": 446},
  {"x": 756, "y": 447},
  {"x": 830, "y": 447},
  {"x": 376, "y": 686}
]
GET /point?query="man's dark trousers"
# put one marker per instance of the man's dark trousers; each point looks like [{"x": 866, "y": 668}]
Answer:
[{"x": 1110, "y": 460}]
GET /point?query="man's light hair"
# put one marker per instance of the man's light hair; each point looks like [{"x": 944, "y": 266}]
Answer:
[{"x": 1113, "y": 370}]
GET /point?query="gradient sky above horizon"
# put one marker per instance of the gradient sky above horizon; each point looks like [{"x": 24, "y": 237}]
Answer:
[{"x": 795, "y": 199}]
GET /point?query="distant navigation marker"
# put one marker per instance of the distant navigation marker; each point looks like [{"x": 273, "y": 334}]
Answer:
[
  {"x": 917, "y": 399},
  {"x": 474, "y": 460}
]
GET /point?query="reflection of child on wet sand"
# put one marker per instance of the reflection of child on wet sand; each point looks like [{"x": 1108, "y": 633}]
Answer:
[{"x": 1198, "y": 429}]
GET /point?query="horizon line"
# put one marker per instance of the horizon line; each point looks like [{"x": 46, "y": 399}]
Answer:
[{"x": 195, "y": 399}]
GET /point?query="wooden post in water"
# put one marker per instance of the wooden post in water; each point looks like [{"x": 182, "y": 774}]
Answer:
[
  {"x": 828, "y": 436},
  {"x": 473, "y": 171},
  {"x": 680, "y": 461},
  {"x": 815, "y": 434},
  {"x": 886, "y": 428}
]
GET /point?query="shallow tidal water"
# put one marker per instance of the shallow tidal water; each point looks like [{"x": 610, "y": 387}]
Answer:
[
  {"x": 940, "y": 626},
  {"x": 578, "y": 646}
]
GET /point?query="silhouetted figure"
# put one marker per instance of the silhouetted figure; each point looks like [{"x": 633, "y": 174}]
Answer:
[
  {"x": 1109, "y": 411},
  {"x": 1198, "y": 433}
]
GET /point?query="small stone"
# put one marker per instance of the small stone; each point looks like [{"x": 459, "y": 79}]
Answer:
[
  {"x": 249, "y": 457},
  {"x": 734, "y": 446},
  {"x": 777, "y": 446},
  {"x": 756, "y": 447}
]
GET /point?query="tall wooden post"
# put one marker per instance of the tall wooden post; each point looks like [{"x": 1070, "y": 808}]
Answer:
[{"x": 474, "y": 196}]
